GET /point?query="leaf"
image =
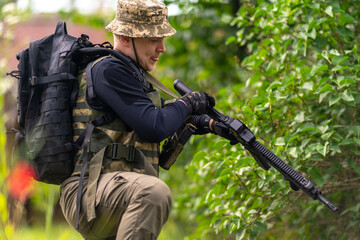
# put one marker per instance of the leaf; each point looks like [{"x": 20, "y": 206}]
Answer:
[
  {"x": 347, "y": 18},
  {"x": 307, "y": 127},
  {"x": 347, "y": 96},
  {"x": 357, "y": 57},
  {"x": 260, "y": 12},
  {"x": 316, "y": 175},
  {"x": 333, "y": 100},
  {"x": 318, "y": 68},
  {"x": 300, "y": 117},
  {"x": 256, "y": 100},
  {"x": 349, "y": 80},
  {"x": 353, "y": 165},
  {"x": 304, "y": 142},
  {"x": 259, "y": 227},
  {"x": 315, "y": 6},
  {"x": 357, "y": 140},
  {"x": 322, "y": 149},
  {"x": 220, "y": 144},
  {"x": 326, "y": 136},
  {"x": 339, "y": 68},
  {"x": 322, "y": 96},
  {"x": 324, "y": 53},
  {"x": 337, "y": 60},
  {"x": 280, "y": 141},
  {"x": 313, "y": 34},
  {"x": 323, "y": 129},
  {"x": 354, "y": 50},
  {"x": 274, "y": 84},
  {"x": 240, "y": 234},
  {"x": 335, "y": 148},
  {"x": 308, "y": 85},
  {"x": 253, "y": 79},
  {"x": 215, "y": 204},
  {"x": 226, "y": 171},
  {"x": 275, "y": 188},
  {"x": 294, "y": 152},
  {"x": 304, "y": 71},
  {"x": 231, "y": 191},
  {"x": 347, "y": 141},
  {"x": 199, "y": 156},
  {"x": 230, "y": 40},
  {"x": 260, "y": 183},
  {"x": 326, "y": 88},
  {"x": 328, "y": 11}
]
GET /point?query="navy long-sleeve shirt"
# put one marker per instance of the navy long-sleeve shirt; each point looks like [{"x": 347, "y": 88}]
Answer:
[{"x": 117, "y": 88}]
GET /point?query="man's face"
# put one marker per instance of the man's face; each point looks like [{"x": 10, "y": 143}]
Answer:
[{"x": 148, "y": 51}]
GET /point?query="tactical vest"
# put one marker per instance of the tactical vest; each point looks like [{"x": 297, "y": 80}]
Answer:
[
  {"x": 122, "y": 150},
  {"x": 111, "y": 146}
]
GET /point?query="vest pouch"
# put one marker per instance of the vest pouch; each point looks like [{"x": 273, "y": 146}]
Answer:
[{"x": 174, "y": 145}]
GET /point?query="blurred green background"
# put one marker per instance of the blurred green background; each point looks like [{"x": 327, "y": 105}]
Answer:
[{"x": 289, "y": 69}]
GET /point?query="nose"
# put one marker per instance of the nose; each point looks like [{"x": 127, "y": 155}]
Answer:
[{"x": 161, "y": 46}]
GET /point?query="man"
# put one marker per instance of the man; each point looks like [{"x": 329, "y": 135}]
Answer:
[{"x": 121, "y": 196}]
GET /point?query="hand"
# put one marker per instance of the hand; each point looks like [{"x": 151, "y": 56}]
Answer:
[
  {"x": 202, "y": 124},
  {"x": 198, "y": 102}
]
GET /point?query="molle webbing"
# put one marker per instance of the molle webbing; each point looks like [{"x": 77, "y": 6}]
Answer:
[{"x": 115, "y": 137}]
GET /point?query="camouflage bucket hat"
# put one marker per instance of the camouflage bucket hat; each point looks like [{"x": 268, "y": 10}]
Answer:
[{"x": 141, "y": 18}]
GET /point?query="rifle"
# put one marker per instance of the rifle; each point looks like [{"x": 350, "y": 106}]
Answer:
[{"x": 264, "y": 157}]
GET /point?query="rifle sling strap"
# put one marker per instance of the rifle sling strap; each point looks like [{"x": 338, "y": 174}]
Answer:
[{"x": 159, "y": 85}]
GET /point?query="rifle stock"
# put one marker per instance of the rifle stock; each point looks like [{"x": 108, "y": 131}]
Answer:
[{"x": 263, "y": 156}]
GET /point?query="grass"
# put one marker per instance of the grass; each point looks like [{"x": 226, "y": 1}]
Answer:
[
  {"x": 58, "y": 231},
  {"x": 62, "y": 231}
]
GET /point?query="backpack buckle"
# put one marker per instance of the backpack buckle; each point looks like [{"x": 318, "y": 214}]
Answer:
[
  {"x": 114, "y": 150},
  {"x": 131, "y": 153},
  {"x": 115, "y": 154}
]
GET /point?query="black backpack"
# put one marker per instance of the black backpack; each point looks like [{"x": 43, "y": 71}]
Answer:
[{"x": 47, "y": 90}]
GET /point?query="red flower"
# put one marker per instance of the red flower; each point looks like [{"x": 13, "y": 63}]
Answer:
[{"x": 20, "y": 181}]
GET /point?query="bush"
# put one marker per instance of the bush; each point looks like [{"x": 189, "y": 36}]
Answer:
[{"x": 301, "y": 100}]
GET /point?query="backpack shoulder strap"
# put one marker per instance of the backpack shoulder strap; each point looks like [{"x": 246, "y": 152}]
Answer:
[{"x": 89, "y": 80}]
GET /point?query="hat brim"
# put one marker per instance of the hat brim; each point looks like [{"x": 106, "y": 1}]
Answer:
[{"x": 143, "y": 30}]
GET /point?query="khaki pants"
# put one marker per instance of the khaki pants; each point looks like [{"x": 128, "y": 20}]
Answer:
[{"x": 128, "y": 206}]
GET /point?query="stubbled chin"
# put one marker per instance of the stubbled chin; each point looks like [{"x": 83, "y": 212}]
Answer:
[{"x": 151, "y": 68}]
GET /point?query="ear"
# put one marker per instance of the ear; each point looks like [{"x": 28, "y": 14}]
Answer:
[{"x": 126, "y": 41}]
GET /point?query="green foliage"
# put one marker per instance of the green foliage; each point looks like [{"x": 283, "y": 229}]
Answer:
[
  {"x": 6, "y": 229},
  {"x": 44, "y": 200},
  {"x": 97, "y": 20},
  {"x": 4, "y": 2},
  {"x": 197, "y": 53},
  {"x": 290, "y": 71},
  {"x": 7, "y": 18},
  {"x": 60, "y": 231},
  {"x": 302, "y": 100}
]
